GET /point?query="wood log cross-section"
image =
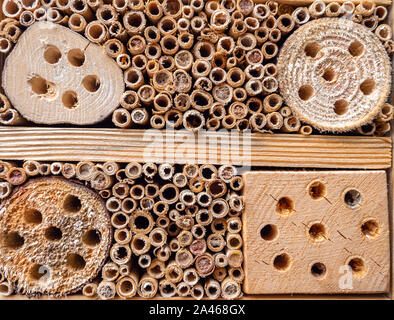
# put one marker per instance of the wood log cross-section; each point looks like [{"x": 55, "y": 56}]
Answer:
[{"x": 54, "y": 75}]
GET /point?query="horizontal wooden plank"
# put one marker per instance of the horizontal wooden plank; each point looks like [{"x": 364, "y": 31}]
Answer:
[
  {"x": 306, "y": 2},
  {"x": 279, "y": 150}
]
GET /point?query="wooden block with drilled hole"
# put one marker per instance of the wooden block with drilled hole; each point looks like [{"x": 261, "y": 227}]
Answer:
[{"x": 316, "y": 232}]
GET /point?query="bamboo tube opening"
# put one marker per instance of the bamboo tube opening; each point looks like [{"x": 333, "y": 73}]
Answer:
[
  {"x": 366, "y": 8},
  {"x": 200, "y": 100},
  {"x": 184, "y": 259},
  {"x": 151, "y": 34},
  {"x": 201, "y": 68},
  {"x": 215, "y": 242},
  {"x": 26, "y": 18},
  {"x": 384, "y": 32},
  {"x": 144, "y": 261},
  {"x": 185, "y": 40},
  {"x": 219, "y": 226},
  {"x": 31, "y": 168},
  {"x": 110, "y": 168},
  {"x": 222, "y": 93},
  {"x": 126, "y": 287},
  {"x": 5, "y": 47},
  {"x": 134, "y": 22},
  {"x": 204, "y": 265},
  {"x": 121, "y": 118},
  {"x": 234, "y": 241},
  {"x": 90, "y": 290},
  {"x": 106, "y": 290},
  {"x": 120, "y": 253},
  {"x": 69, "y": 170},
  {"x": 6, "y": 289},
  {"x": 154, "y": 11},
  {"x": 167, "y": 289},
  {"x": 139, "y": 245},
  {"x": 220, "y": 19},
  {"x": 370, "y": 23},
  {"x": 77, "y": 22},
  {"x": 40, "y": 14},
  {"x": 105, "y": 194},
  {"x": 197, "y": 292},
  {"x": 167, "y": 26},
  {"x": 110, "y": 271},
  {"x": 167, "y": 62},
  {"x": 229, "y": 121},
  {"x": 85, "y": 170},
  {"x": 122, "y": 236},
  {"x": 190, "y": 276},
  {"x": 198, "y": 246},
  {"x": 96, "y": 32},
  {"x": 221, "y": 262},
  {"x": 318, "y": 8},
  {"x": 16, "y": 176},
  {"x": 185, "y": 238},
  {"x": 146, "y": 203},
  {"x": 12, "y": 8},
  {"x": 119, "y": 220},
  {"x": 123, "y": 60},
  {"x": 115, "y": 29},
  {"x": 136, "y": 45},
  {"x": 120, "y": 5},
  {"x": 197, "y": 24},
  {"x": 230, "y": 289},
  {"x": 204, "y": 50},
  {"x": 183, "y": 289},
  {"x": 333, "y": 9},
  {"x": 120, "y": 190},
  {"x": 197, "y": 5},
  {"x": 139, "y": 116},
  {"x": 56, "y": 168},
  {"x": 146, "y": 93},
  {"x": 203, "y": 217},
  {"x": 218, "y": 111},
  {"x": 106, "y": 14},
  {"x": 5, "y": 189},
  {"x": 237, "y": 274},
  {"x": 235, "y": 258},
  {"x": 32, "y": 4},
  {"x": 147, "y": 287},
  {"x": 44, "y": 169},
  {"x": 128, "y": 205},
  {"x": 156, "y": 269},
  {"x": 217, "y": 76},
  {"x": 113, "y": 204},
  {"x": 380, "y": 13},
  {"x": 193, "y": 120},
  {"x": 133, "y": 78},
  {"x": 141, "y": 222}
]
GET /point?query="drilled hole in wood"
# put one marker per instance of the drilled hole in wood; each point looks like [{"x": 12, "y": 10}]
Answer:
[
  {"x": 32, "y": 216},
  {"x": 305, "y": 92},
  {"x": 353, "y": 198},
  {"x": 370, "y": 229},
  {"x": 41, "y": 87},
  {"x": 76, "y": 57},
  {"x": 52, "y": 54},
  {"x": 285, "y": 206},
  {"x": 329, "y": 75},
  {"x": 76, "y": 261},
  {"x": 12, "y": 240},
  {"x": 72, "y": 204},
  {"x": 91, "y": 237},
  {"x": 269, "y": 232},
  {"x": 318, "y": 270},
  {"x": 317, "y": 232},
  {"x": 356, "y": 48},
  {"x": 70, "y": 99},
  {"x": 312, "y": 49},
  {"x": 282, "y": 262},
  {"x": 367, "y": 86},
  {"x": 91, "y": 83},
  {"x": 37, "y": 272},
  {"x": 358, "y": 267},
  {"x": 317, "y": 190},
  {"x": 341, "y": 107},
  {"x": 53, "y": 233}
]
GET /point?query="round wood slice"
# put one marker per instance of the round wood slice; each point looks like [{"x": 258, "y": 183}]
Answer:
[
  {"x": 334, "y": 74},
  {"x": 54, "y": 236},
  {"x": 54, "y": 75}
]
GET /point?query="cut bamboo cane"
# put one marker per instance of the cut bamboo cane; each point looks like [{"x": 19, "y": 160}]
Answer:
[{"x": 147, "y": 287}]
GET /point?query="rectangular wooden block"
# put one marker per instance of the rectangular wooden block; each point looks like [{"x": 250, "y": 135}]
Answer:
[{"x": 316, "y": 232}]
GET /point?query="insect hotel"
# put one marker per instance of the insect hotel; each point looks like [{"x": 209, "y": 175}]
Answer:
[{"x": 230, "y": 149}]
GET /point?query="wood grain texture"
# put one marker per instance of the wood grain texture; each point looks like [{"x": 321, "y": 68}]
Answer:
[
  {"x": 306, "y": 2},
  {"x": 282, "y": 150},
  {"x": 65, "y": 81},
  {"x": 343, "y": 240}
]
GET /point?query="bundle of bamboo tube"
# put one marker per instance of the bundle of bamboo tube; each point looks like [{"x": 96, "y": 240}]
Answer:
[
  {"x": 176, "y": 227},
  {"x": 194, "y": 64}
]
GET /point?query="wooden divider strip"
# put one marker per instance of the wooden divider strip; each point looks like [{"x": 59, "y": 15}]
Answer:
[{"x": 280, "y": 150}]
